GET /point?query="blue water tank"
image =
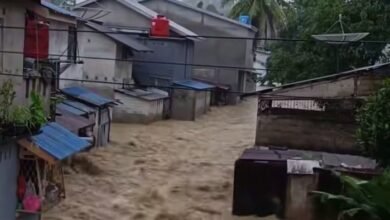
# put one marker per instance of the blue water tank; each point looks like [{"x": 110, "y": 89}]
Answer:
[{"x": 244, "y": 19}]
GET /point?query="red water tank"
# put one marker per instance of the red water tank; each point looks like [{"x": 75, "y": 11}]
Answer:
[
  {"x": 36, "y": 39},
  {"x": 160, "y": 26}
]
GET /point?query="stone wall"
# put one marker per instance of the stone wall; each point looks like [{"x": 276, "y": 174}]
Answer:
[{"x": 296, "y": 129}]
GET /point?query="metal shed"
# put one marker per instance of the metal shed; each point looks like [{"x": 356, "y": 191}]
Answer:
[
  {"x": 101, "y": 105},
  {"x": 79, "y": 125},
  {"x": 265, "y": 184},
  {"x": 190, "y": 99}
]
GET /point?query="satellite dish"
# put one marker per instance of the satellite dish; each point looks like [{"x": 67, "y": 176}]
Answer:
[{"x": 341, "y": 38}]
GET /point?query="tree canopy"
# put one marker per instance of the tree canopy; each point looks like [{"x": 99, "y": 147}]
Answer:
[
  {"x": 267, "y": 15},
  {"x": 374, "y": 125},
  {"x": 299, "y": 60}
]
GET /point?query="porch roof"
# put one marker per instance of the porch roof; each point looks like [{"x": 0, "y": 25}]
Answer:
[
  {"x": 121, "y": 38},
  {"x": 87, "y": 96},
  {"x": 54, "y": 143}
]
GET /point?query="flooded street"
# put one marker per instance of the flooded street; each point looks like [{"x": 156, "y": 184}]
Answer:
[{"x": 169, "y": 170}]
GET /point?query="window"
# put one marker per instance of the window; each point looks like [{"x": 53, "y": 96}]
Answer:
[
  {"x": 72, "y": 44},
  {"x": 126, "y": 53}
]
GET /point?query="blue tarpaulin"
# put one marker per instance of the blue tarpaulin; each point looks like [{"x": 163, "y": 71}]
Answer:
[
  {"x": 59, "y": 142},
  {"x": 87, "y": 96}
]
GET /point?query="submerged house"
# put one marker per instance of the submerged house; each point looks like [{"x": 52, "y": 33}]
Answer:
[
  {"x": 171, "y": 56},
  {"x": 111, "y": 61},
  {"x": 23, "y": 159},
  {"x": 140, "y": 106},
  {"x": 107, "y": 56},
  {"x": 320, "y": 111},
  {"x": 305, "y": 130},
  {"x": 102, "y": 111},
  {"x": 216, "y": 50}
]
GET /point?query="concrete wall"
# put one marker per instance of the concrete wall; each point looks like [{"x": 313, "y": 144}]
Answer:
[
  {"x": 188, "y": 105},
  {"x": 332, "y": 130},
  {"x": 58, "y": 40},
  {"x": 298, "y": 201},
  {"x": 212, "y": 51},
  {"x": 75, "y": 71},
  {"x": 202, "y": 103},
  {"x": 164, "y": 50},
  {"x": 105, "y": 69},
  {"x": 183, "y": 104},
  {"x": 331, "y": 133},
  {"x": 13, "y": 40},
  {"x": 136, "y": 110},
  {"x": 353, "y": 85}
]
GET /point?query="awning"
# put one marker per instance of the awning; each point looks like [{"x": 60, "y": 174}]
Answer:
[
  {"x": 72, "y": 122},
  {"x": 54, "y": 144},
  {"x": 87, "y": 96},
  {"x": 196, "y": 85},
  {"x": 121, "y": 38},
  {"x": 217, "y": 85}
]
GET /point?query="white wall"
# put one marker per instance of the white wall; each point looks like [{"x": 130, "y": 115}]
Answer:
[
  {"x": 135, "y": 110},
  {"x": 13, "y": 40},
  {"x": 58, "y": 40},
  {"x": 75, "y": 71},
  {"x": 105, "y": 68}
]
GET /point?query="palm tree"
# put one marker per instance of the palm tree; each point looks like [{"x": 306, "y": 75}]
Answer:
[
  {"x": 267, "y": 15},
  {"x": 361, "y": 199}
]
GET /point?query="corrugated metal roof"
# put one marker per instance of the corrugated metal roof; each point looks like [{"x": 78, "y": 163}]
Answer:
[
  {"x": 332, "y": 76},
  {"x": 72, "y": 122},
  {"x": 326, "y": 159},
  {"x": 69, "y": 108},
  {"x": 151, "y": 14},
  {"x": 57, "y": 9},
  {"x": 217, "y": 85},
  {"x": 194, "y": 84},
  {"x": 59, "y": 142},
  {"x": 211, "y": 14},
  {"x": 87, "y": 96},
  {"x": 148, "y": 13},
  {"x": 121, "y": 38},
  {"x": 80, "y": 106},
  {"x": 142, "y": 94}
]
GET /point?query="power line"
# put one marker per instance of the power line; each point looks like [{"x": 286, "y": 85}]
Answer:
[
  {"x": 154, "y": 62},
  {"x": 281, "y": 97},
  {"x": 214, "y": 37},
  {"x": 152, "y": 86}
]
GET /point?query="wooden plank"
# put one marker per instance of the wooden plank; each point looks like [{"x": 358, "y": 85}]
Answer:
[{"x": 37, "y": 151}]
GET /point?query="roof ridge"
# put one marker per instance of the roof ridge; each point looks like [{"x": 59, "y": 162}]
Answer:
[{"x": 184, "y": 4}]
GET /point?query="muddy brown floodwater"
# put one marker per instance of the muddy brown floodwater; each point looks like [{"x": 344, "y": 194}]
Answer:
[{"x": 169, "y": 170}]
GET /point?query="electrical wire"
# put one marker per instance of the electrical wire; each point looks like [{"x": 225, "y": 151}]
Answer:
[
  {"x": 215, "y": 37},
  {"x": 154, "y": 62},
  {"x": 259, "y": 93}
]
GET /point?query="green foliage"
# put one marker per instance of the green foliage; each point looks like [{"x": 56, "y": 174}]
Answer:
[
  {"x": 300, "y": 60},
  {"x": 21, "y": 116},
  {"x": 361, "y": 200},
  {"x": 267, "y": 15},
  {"x": 374, "y": 125},
  {"x": 7, "y": 96},
  {"x": 37, "y": 111}
]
